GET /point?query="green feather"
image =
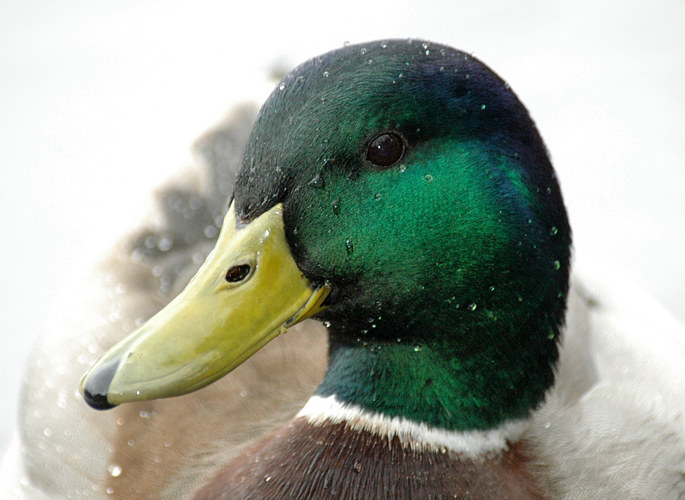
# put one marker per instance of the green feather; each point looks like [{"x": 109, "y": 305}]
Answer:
[{"x": 449, "y": 270}]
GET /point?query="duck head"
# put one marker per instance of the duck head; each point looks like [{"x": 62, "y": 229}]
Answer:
[{"x": 399, "y": 192}]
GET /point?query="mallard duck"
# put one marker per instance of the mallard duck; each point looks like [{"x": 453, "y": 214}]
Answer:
[{"x": 399, "y": 194}]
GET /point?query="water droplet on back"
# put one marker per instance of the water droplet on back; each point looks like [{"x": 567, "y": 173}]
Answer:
[
  {"x": 165, "y": 243},
  {"x": 114, "y": 470}
]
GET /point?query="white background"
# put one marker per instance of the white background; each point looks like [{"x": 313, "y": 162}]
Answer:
[{"x": 100, "y": 101}]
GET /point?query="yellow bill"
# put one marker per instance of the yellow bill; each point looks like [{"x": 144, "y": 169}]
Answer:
[{"x": 247, "y": 292}]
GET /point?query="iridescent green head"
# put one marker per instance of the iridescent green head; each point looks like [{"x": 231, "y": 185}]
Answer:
[
  {"x": 415, "y": 195},
  {"x": 414, "y": 182}
]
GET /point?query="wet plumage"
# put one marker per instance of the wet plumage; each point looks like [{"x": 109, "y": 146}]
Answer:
[{"x": 447, "y": 272}]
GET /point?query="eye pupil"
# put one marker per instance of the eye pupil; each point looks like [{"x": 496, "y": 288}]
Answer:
[
  {"x": 386, "y": 149},
  {"x": 237, "y": 273}
]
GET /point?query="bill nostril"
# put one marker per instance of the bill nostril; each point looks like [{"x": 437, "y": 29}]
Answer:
[{"x": 238, "y": 273}]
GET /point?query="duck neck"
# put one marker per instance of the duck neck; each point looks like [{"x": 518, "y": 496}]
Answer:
[{"x": 437, "y": 384}]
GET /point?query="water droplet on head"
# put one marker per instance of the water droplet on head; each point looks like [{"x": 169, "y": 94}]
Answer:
[
  {"x": 428, "y": 178},
  {"x": 417, "y": 348},
  {"x": 325, "y": 74},
  {"x": 377, "y": 196},
  {"x": 482, "y": 106},
  {"x": 281, "y": 86},
  {"x": 317, "y": 181},
  {"x": 349, "y": 247},
  {"x": 553, "y": 231},
  {"x": 357, "y": 467},
  {"x": 335, "y": 205},
  {"x": 363, "y": 50},
  {"x": 384, "y": 45},
  {"x": 473, "y": 306},
  {"x": 557, "y": 265}
]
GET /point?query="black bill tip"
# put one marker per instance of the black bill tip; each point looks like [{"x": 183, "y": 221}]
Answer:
[{"x": 97, "y": 385}]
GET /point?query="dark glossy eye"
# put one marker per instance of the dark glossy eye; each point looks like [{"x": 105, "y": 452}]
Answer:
[
  {"x": 237, "y": 273},
  {"x": 386, "y": 149}
]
